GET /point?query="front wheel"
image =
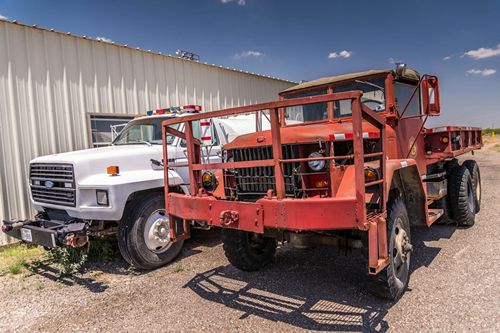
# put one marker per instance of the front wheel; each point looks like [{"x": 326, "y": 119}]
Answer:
[
  {"x": 246, "y": 250},
  {"x": 144, "y": 234},
  {"x": 397, "y": 274}
]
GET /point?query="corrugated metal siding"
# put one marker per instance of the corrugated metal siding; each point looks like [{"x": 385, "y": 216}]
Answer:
[{"x": 50, "y": 82}]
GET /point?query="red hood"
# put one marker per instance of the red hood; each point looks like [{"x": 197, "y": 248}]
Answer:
[{"x": 303, "y": 134}]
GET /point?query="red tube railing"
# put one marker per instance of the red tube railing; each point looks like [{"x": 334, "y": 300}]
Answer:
[{"x": 360, "y": 113}]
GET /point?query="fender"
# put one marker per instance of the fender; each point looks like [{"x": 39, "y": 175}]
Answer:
[{"x": 401, "y": 175}]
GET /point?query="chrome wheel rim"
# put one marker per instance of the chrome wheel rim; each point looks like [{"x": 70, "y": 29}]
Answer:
[{"x": 157, "y": 232}]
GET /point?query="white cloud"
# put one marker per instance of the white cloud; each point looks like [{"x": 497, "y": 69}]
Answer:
[
  {"x": 3, "y": 17},
  {"x": 341, "y": 54},
  {"x": 247, "y": 54},
  {"x": 483, "y": 52},
  {"x": 104, "y": 39},
  {"x": 447, "y": 58},
  {"x": 239, "y": 2},
  {"x": 482, "y": 72}
]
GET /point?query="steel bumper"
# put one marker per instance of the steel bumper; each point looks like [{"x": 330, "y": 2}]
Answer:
[
  {"x": 51, "y": 234},
  {"x": 285, "y": 214}
]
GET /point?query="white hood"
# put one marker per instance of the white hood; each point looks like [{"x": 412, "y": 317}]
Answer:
[{"x": 96, "y": 160}]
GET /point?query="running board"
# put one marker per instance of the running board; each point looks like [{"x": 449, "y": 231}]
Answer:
[{"x": 434, "y": 214}]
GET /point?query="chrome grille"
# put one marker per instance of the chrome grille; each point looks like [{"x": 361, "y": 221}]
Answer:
[
  {"x": 53, "y": 184},
  {"x": 252, "y": 183}
]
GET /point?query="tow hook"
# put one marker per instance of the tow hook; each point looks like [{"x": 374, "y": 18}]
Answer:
[
  {"x": 10, "y": 225},
  {"x": 76, "y": 240},
  {"x": 229, "y": 217}
]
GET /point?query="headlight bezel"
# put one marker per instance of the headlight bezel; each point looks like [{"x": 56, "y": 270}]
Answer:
[{"x": 317, "y": 165}]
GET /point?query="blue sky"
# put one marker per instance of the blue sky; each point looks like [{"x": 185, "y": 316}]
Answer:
[{"x": 302, "y": 40}]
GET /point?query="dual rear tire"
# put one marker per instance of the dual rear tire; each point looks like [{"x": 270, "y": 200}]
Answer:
[{"x": 464, "y": 193}]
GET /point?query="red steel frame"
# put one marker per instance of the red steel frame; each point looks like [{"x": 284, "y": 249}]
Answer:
[{"x": 327, "y": 213}]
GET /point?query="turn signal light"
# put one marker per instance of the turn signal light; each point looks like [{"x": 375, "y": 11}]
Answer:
[
  {"x": 209, "y": 181},
  {"x": 444, "y": 139},
  {"x": 371, "y": 175},
  {"x": 113, "y": 170},
  {"x": 321, "y": 183}
]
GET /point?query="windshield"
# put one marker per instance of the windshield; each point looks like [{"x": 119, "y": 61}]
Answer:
[
  {"x": 306, "y": 113},
  {"x": 143, "y": 131},
  {"x": 373, "y": 97}
]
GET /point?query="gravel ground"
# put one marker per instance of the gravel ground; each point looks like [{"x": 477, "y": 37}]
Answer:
[{"x": 454, "y": 287}]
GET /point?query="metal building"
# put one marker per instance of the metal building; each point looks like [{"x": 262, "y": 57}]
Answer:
[{"x": 60, "y": 92}]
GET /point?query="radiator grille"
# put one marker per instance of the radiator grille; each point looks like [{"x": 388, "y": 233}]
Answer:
[
  {"x": 254, "y": 182},
  {"x": 53, "y": 184}
]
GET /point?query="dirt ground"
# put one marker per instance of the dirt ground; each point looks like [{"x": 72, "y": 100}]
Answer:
[{"x": 454, "y": 287}]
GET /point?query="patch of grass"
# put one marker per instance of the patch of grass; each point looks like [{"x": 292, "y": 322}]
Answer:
[
  {"x": 15, "y": 259},
  {"x": 178, "y": 269},
  {"x": 103, "y": 250},
  {"x": 68, "y": 260},
  {"x": 39, "y": 286}
]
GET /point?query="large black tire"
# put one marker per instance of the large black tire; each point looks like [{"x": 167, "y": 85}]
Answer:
[
  {"x": 461, "y": 196},
  {"x": 132, "y": 238},
  {"x": 248, "y": 251},
  {"x": 444, "y": 203},
  {"x": 396, "y": 275},
  {"x": 473, "y": 168}
]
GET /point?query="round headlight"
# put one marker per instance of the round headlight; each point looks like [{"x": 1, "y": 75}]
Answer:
[
  {"x": 317, "y": 165},
  {"x": 209, "y": 181}
]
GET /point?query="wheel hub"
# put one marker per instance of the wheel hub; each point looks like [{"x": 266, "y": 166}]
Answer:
[
  {"x": 401, "y": 250},
  {"x": 157, "y": 232}
]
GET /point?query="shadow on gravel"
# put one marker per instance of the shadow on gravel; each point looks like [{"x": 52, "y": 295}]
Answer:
[
  {"x": 51, "y": 273},
  {"x": 318, "y": 289},
  {"x": 104, "y": 257},
  {"x": 200, "y": 238}
]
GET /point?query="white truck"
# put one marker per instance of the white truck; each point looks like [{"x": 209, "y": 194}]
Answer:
[{"x": 118, "y": 190}]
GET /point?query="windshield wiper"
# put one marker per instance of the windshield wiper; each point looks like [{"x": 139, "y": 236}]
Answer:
[
  {"x": 139, "y": 141},
  {"x": 371, "y": 84}
]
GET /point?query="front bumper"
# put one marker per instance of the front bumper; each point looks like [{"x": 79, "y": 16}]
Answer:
[
  {"x": 287, "y": 214},
  {"x": 51, "y": 234}
]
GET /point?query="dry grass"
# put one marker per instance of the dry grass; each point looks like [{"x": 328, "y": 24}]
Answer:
[
  {"x": 15, "y": 259},
  {"x": 495, "y": 147}
]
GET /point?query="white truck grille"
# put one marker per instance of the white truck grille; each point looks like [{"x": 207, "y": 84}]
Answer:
[{"x": 53, "y": 183}]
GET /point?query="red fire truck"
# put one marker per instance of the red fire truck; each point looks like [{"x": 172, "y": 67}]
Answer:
[{"x": 347, "y": 161}]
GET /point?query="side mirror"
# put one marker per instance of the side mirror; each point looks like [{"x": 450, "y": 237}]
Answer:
[{"x": 430, "y": 95}]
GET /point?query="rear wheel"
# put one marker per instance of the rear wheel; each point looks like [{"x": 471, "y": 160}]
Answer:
[
  {"x": 144, "y": 234},
  {"x": 462, "y": 197},
  {"x": 246, "y": 250},
  {"x": 473, "y": 168},
  {"x": 397, "y": 274}
]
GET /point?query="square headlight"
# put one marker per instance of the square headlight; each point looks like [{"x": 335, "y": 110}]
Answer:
[{"x": 102, "y": 197}]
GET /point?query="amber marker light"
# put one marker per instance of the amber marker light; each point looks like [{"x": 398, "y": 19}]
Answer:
[
  {"x": 444, "y": 139},
  {"x": 113, "y": 170}
]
